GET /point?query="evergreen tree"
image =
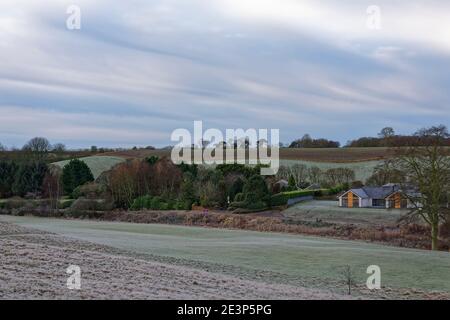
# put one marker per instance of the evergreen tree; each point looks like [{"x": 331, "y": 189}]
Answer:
[{"x": 75, "y": 173}]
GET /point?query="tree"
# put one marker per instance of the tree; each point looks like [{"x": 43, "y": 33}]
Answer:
[
  {"x": 51, "y": 187},
  {"x": 255, "y": 193},
  {"x": 291, "y": 182},
  {"x": 38, "y": 146},
  {"x": 385, "y": 173},
  {"x": 300, "y": 174},
  {"x": 236, "y": 187},
  {"x": 187, "y": 194},
  {"x": 307, "y": 142},
  {"x": 2, "y": 147},
  {"x": 59, "y": 148},
  {"x": 75, "y": 173},
  {"x": 128, "y": 181},
  {"x": 386, "y": 132},
  {"x": 8, "y": 171},
  {"x": 29, "y": 177},
  {"x": 348, "y": 277},
  {"x": 428, "y": 170},
  {"x": 315, "y": 175}
]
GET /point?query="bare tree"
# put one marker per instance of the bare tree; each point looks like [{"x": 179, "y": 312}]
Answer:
[
  {"x": 59, "y": 148},
  {"x": 348, "y": 277},
  {"x": 427, "y": 169},
  {"x": 39, "y": 146},
  {"x": 315, "y": 174},
  {"x": 300, "y": 174}
]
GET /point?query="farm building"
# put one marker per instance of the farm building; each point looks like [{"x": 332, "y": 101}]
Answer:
[{"x": 387, "y": 196}]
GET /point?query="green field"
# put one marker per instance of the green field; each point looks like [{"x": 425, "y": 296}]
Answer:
[
  {"x": 313, "y": 261},
  {"x": 363, "y": 170},
  {"x": 329, "y": 211},
  {"x": 97, "y": 164}
]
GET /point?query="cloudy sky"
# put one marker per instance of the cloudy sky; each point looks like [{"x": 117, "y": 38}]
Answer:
[{"x": 137, "y": 70}]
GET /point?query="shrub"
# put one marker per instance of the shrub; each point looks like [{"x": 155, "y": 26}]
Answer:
[
  {"x": 281, "y": 199},
  {"x": 65, "y": 204},
  {"x": 141, "y": 203},
  {"x": 89, "y": 190},
  {"x": 81, "y": 205}
]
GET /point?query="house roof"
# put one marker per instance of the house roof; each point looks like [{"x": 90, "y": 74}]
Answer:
[
  {"x": 375, "y": 192},
  {"x": 360, "y": 193}
]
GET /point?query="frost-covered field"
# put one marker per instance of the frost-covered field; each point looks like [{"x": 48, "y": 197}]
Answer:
[
  {"x": 33, "y": 266},
  {"x": 97, "y": 164},
  {"x": 210, "y": 263}
]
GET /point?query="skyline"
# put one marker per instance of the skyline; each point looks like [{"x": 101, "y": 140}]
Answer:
[{"x": 136, "y": 71}]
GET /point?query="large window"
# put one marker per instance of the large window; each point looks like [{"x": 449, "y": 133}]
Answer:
[
  {"x": 355, "y": 202},
  {"x": 378, "y": 203}
]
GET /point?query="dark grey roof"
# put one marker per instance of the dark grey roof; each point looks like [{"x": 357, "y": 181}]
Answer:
[
  {"x": 360, "y": 193},
  {"x": 376, "y": 192}
]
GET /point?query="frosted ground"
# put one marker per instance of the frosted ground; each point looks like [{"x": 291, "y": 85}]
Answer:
[
  {"x": 33, "y": 265},
  {"x": 97, "y": 164},
  {"x": 297, "y": 262}
]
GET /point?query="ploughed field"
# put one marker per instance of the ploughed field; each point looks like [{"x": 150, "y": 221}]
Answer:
[
  {"x": 337, "y": 155},
  {"x": 238, "y": 264}
]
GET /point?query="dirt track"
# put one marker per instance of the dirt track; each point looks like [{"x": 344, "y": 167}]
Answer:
[{"x": 33, "y": 266}]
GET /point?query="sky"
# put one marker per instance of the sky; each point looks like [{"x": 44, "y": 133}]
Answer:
[{"x": 137, "y": 70}]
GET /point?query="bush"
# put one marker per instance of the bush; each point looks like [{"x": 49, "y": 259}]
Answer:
[
  {"x": 90, "y": 190},
  {"x": 141, "y": 203},
  {"x": 281, "y": 199},
  {"x": 82, "y": 204},
  {"x": 65, "y": 204},
  {"x": 156, "y": 203}
]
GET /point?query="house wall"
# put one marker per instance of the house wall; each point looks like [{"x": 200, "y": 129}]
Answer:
[
  {"x": 364, "y": 203},
  {"x": 350, "y": 199}
]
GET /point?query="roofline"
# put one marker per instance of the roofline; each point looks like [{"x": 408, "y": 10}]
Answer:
[{"x": 348, "y": 192}]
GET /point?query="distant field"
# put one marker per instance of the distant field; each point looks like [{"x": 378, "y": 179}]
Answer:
[
  {"x": 297, "y": 260},
  {"x": 363, "y": 170},
  {"x": 329, "y": 211},
  {"x": 361, "y": 160},
  {"x": 97, "y": 164},
  {"x": 335, "y": 155}
]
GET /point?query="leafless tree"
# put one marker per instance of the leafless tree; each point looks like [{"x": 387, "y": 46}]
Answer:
[
  {"x": 38, "y": 146},
  {"x": 348, "y": 277},
  {"x": 427, "y": 169}
]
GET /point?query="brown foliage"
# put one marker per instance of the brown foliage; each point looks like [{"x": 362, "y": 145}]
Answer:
[{"x": 128, "y": 181}]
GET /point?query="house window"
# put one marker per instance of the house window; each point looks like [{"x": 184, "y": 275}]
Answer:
[
  {"x": 355, "y": 202},
  {"x": 378, "y": 203},
  {"x": 345, "y": 202}
]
